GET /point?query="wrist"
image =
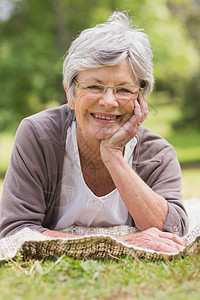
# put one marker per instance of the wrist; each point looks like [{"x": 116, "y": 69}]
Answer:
[{"x": 109, "y": 155}]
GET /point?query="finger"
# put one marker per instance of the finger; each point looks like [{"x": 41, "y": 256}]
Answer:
[
  {"x": 171, "y": 243},
  {"x": 146, "y": 111},
  {"x": 162, "y": 244},
  {"x": 129, "y": 129},
  {"x": 137, "y": 112},
  {"x": 144, "y": 107},
  {"x": 172, "y": 237},
  {"x": 162, "y": 247},
  {"x": 178, "y": 240}
]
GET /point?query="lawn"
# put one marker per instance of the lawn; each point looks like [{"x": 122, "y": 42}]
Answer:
[
  {"x": 6, "y": 142},
  {"x": 108, "y": 279},
  {"x": 186, "y": 142},
  {"x": 111, "y": 279}
]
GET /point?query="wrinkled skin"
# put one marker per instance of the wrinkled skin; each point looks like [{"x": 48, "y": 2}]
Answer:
[
  {"x": 108, "y": 140},
  {"x": 155, "y": 239}
]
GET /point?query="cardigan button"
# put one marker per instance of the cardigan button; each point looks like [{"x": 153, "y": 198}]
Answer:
[{"x": 175, "y": 229}]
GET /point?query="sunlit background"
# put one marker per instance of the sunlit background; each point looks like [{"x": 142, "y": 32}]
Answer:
[{"x": 35, "y": 35}]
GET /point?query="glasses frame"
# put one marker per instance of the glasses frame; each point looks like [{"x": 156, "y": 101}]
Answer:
[{"x": 141, "y": 90}]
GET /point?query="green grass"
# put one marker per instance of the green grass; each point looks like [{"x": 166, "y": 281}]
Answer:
[
  {"x": 190, "y": 183},
  {"x": 161, "y": 117},
  {"x": 108, "y": 279},
  {"x": 6, "y": 142},
  {"x": 1, "y": 187},
  {"x": 187, "y": 146},
  {"x": 112, "y": 279},
  {"x": 185, "y": 142}
]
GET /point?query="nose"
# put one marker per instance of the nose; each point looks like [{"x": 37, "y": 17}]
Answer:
[{"x": 108, "y": 99}]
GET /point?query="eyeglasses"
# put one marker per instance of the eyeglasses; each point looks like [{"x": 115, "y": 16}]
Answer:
[{"x": 120, "y": 92}]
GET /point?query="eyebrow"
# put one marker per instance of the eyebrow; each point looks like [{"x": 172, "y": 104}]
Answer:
[{"x": 123, "y": 83}]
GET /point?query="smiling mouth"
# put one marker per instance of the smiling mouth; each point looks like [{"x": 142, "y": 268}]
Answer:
[{"x": 103, "y": 117}]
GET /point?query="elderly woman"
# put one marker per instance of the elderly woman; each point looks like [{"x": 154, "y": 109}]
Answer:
[{"x": 90, "y": 163}]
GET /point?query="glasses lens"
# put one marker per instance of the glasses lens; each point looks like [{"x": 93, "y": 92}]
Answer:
[
  {"x": 92, "y": 88},
  {"x": 121, "y": 92},
  {"x": 125, "y": 92}
]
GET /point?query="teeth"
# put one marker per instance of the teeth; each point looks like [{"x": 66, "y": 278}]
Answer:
[{"x": 104, "y": 118}]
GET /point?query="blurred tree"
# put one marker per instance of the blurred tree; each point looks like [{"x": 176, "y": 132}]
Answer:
[
  {"x": 190, "y": 116},
  {"x": 175, "y": 55},
  {"x": 189, "y": 13},
  {"x": 33, "y": 41},
  {"x": 37, "y": 34},
  {"x": 29, "y": 60}
]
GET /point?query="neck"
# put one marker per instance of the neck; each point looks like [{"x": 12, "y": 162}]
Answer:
[{"x": 89, "y": 149}]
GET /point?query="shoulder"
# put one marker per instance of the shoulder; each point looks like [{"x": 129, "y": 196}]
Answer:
[
  {"x": 154, "y": 156},
  {"x": 151, "y": 145},
  {"x": 49, "y": 124}
]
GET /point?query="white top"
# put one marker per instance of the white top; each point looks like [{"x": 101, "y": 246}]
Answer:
[{"x": 78, "y": 204}]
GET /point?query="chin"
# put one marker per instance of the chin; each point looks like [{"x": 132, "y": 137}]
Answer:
[{"x": 104, "y": 133}]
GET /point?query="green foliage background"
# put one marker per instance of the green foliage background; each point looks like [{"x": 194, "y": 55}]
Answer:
[{"x": 36, "y": 35}]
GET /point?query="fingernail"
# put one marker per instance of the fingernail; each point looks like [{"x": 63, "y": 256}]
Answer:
[{"x": 136, "y": 102}]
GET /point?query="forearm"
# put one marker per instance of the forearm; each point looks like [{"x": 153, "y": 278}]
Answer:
[
  {"x": 58, "y": 234},
  {"x": 147, "y": 208}
]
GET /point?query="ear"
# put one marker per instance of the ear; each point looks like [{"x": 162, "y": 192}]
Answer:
[{"x": 70, "y": 102}]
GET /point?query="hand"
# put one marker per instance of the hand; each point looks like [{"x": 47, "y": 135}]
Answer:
[
  {"x": 58, "y": 234},
  {"x": 127, "y": 131},
  {"x": 155, "y": 239}
]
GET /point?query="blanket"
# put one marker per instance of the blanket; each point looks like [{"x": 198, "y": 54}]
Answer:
[{"x": 92, "y": 243}]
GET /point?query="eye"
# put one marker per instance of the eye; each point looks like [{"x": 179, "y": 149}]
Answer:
[
  {"x": 95, "y": 88},
  {"x": 123, "y": 90}
]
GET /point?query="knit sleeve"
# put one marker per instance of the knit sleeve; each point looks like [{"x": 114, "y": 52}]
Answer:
[
  {"x": 157, "y": 164},
  {"x": 23, "y": 202}
]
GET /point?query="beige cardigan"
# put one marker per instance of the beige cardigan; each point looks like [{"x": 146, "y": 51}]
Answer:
[{"x": 32, "y": 184}]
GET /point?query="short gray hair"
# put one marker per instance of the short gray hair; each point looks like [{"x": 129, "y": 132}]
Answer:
[{"x": 108, "y": 44}]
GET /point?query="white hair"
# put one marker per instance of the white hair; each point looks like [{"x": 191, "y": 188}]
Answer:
[{"x": 108, "y": 44}]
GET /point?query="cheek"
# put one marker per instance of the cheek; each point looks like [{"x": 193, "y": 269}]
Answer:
[
  {"x": 84, "y": 103},
  {"x": 81, "y": 108},
  {"x": 127, "y": 110},
  {"x": 127, "y": 107},
  {"x": 79, "y": 105}
]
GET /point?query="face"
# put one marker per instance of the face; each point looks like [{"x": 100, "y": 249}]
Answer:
[{"x": 99, "y": 117}]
